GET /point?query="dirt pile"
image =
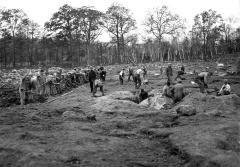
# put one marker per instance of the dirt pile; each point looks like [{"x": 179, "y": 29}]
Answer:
[
  {"x": 119, "y": 100},
  {"x": 208, "y": 103},
  {"x": 156, "y": 102}
]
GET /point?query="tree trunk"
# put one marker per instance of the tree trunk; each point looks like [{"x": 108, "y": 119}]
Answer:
[
  {"x": 101, "y": 54},
  {"x": 31, "y": 56},
  {"x": 14, "y": 58},
  {"x": 88, "y": 55},
  {"x": 168, "y": 53},
  {"x": 160, "y": 50},
  {"x": 5, "y": 55}
]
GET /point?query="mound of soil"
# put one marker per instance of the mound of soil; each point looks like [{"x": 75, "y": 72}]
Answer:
[
  {"x": 119, "y": 100},
  {"x": 207, "y": 103},
  {"x": 156, "y": 102}
]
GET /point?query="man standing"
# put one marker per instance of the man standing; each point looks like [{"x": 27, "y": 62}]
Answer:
[
  {"x": 121, "y": 76},
  {"x": 130, "y": 73},
  {"x": 24, "y": 89},
  {"x": 144, "y": 69},
  {"x": 102, "y": 74},
  {"x": 92, "y": 78},
  {"x": 42, "y": 82},
  {"x": 183, "y": 68},
  {"x": 169, "y": 73},
  {"x": 161, "y": 70},
  {"x": 137, "y": 78}
]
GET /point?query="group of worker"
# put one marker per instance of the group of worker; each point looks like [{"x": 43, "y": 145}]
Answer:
[
  {"x": 96, "y": 79},
  {"x": 138, "y": 76},
  {"x": 174, "y": 93},
  {"x": 44, "y": 84},
  {"x": 173, "y": 90}
]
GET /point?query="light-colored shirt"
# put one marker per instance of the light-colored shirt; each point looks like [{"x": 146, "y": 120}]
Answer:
[
  {"x": 139, "y": 71},
  {"x": 205, "y": 75},
  {"x": 121, "y": 73},
  {"x": 225, "y": 87}
]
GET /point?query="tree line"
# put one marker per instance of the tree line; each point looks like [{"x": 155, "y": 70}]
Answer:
[{"x": 71, "y": 36}]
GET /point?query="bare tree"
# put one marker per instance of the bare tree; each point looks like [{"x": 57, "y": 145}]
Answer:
[
  {"x": 160, "y": 22},
  {"x": 89, "y": 23},
  {"x": 119, "y": 22}
]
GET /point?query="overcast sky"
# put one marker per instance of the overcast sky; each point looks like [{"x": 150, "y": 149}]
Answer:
[{"x": 41, "y": 10}]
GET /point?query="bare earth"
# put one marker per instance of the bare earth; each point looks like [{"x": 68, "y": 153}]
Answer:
[{"x": 65, "y": 133}]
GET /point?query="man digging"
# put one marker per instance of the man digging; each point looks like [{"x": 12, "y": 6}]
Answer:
[{"x": 202, "y": 80}]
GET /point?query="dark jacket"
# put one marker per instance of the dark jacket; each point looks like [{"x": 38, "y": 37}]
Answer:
[
  {"x": 143, "y": 95},
  {"x": 130, "y": 71},
  {"x": 92, "y": 75},
  {"x": 103, "y": 75},
  {"x": 183, "y": 68},
  {"x": 169, "y": 71}
]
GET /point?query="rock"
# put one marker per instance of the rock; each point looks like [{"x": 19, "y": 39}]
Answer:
[
  {"x": 91, "y": 117},
  {"x": 186, "y": 110},
  {"x": 145, "y": 103}
]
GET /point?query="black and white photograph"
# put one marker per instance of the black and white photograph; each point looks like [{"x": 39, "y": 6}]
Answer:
[{"x": 119, "y": 83}]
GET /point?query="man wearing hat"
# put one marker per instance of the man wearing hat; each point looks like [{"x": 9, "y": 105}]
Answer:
[
  {"x": 121, "y": 76},
  {"x": 92, "y": 78},
  {"x": 137, "y": 78},
  {"x": 42, "y": 82},
  {"x": 169, "y": 72},
  {"x": 102, "y": 73},
  {"x": 130, "y": 73}
]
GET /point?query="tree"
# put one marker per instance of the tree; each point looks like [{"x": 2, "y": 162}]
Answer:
[
  {"x": 32, "y": 32},
  {"x": 119, "y": 22},
  {"x": 160, "y": 22},
  {"x": 62, "y": 25},
  {"x": 227, "y": 36},
  {"x": 208, "y": 26},
  {"x": 89, "y": 26},
  {"x": 12, "y": 20}
]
